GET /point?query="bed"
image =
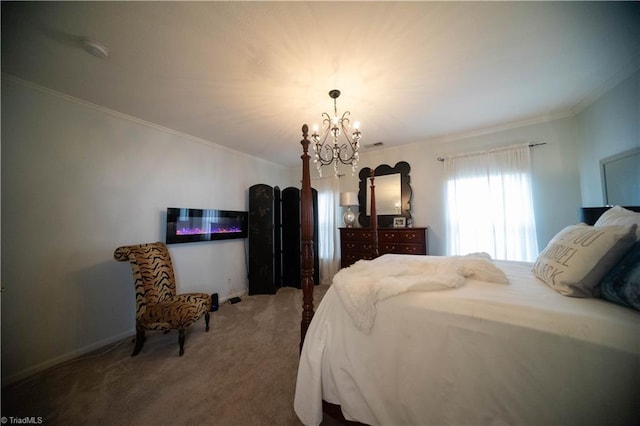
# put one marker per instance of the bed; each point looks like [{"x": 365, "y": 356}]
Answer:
[{"x": 476, "y": 342}]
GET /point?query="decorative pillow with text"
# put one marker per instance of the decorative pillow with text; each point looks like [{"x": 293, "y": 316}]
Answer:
[{"x": 578, "y": 257}]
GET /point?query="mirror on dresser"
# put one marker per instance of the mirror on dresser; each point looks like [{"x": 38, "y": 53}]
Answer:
[{"x": 393, "y": 194}]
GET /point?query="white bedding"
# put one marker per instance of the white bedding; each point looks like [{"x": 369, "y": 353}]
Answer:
[
  {"x": 363, "y": 285},
  {"x": 478, "y": 354}
]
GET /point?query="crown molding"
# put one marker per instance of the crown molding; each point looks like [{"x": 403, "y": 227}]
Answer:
[
  {"x": 631, "y": 68},
  {"x": 130, "y": 118},
  {"x": 451, "y": 137}
]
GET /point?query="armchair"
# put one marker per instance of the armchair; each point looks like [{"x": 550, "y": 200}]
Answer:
[{"x": 158, "y": 307}]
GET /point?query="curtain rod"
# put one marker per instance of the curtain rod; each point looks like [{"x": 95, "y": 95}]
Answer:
[{"x": 531, "y": 145}]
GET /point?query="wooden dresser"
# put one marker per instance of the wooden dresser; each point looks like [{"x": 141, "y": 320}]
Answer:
[{"x": 357, "y": 243}]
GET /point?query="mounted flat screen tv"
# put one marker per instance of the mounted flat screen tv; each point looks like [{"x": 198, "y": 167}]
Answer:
[{"x": 192, "y": 225}]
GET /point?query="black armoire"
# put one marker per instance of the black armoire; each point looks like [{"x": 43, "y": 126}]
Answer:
[{"x": 275, "y": 238}]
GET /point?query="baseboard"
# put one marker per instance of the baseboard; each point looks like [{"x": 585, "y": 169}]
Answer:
[
  {"x": 16, "y": 377},
  {"x": 23, "y": 374}
]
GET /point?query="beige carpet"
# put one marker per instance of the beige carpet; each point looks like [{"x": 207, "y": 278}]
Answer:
[{"x": 242, "y": 372}]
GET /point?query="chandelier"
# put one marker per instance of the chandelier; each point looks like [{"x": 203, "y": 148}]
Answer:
[{"x": 327, "y": 146}]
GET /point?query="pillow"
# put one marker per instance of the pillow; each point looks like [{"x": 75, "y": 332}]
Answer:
[
  {"x": 621, "y": 285},
  {"x": 577, "y": 258},
  {"x": 620, "y": 216}
]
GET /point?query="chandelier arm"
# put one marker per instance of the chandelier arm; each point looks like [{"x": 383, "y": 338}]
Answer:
[
  {"x": 352, "y": 141},
  {"x": 345, "y": 117},
  {"x": 324, "y": 148},
  {"x": 351, "y": 154}
]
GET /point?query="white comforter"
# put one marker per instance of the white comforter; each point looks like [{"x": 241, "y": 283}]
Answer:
[
  {"x": 478, "y": 354},
  {"x": 367, "y": 283}
]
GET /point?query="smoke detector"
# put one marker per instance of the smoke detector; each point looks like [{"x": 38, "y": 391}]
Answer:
[{"x": 95, "y": 48}]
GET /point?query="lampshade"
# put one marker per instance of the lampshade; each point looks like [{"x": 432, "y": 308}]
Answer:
[{"x": 348, "y": 199}]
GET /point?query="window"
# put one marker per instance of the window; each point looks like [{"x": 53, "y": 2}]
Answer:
[
  {"x": 489, "y": 205},
  {"x": 329, "y": 260}
]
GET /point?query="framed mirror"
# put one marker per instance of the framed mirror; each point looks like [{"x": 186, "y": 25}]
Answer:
[
  {"x": 621, "y": 178},
  {"x": 393, "y": 194}
]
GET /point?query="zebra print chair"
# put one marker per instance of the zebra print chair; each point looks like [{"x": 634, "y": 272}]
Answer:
[{"x": 158, "y": 307}]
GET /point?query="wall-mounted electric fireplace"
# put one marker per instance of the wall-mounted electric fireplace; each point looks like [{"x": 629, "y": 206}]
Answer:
[{"x": 191, "y": 225}]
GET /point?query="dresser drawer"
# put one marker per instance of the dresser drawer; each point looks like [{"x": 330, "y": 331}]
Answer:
[
  {"x": 357, "y": 243},
  {"x": 388, "y": 235},
  {"x": 357, "y": 246},
  {"x": 351, "y": 258},
  {"x": 401, "y": 248},
  {"x": 410, "y": 249},
  {"x": 355, "y": 234},
  {"x": 411, "y": 236}
]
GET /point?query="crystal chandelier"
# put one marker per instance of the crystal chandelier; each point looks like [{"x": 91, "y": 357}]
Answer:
[{"x": 333, "y": 151}]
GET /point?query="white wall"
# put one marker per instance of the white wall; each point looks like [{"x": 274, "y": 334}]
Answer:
[
  {"x": 609, "y": 126},
  {"x": 556, "y": 184},
  {"x": 79, "y": 181}
]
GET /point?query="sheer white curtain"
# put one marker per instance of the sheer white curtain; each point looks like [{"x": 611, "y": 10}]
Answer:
[
  {"x": 489, "y": 205},
  {"x": 328, "y": 238}
]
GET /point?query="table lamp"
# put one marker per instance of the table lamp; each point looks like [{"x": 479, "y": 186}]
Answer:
[{"x": 348, "y": 199}]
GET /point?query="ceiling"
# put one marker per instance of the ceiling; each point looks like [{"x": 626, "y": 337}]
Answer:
[{"x": 247, "y": 75}]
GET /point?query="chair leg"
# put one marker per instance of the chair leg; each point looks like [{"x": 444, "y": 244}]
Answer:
[
  {"x": 206, "y": 321},
  {"x": 181, "y": 340},
  {"x": 139, "y": 342}
]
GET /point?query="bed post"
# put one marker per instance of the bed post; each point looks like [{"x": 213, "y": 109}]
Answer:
[
  {"x": 306, "y": 218},
  {"x": 374, "y": 216}
]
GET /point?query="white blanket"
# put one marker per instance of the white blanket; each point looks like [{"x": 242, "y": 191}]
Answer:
[{"x": 366, "y": 283}]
